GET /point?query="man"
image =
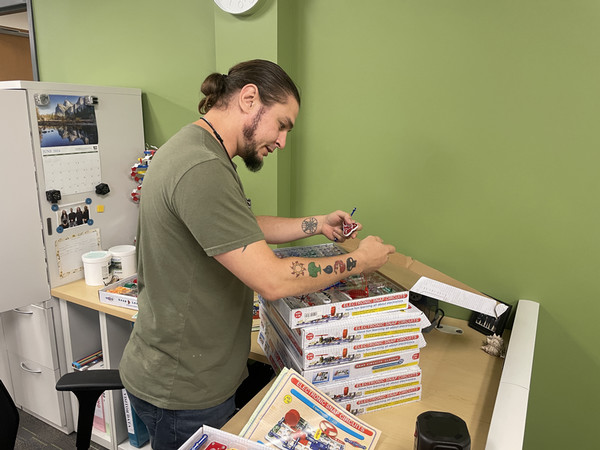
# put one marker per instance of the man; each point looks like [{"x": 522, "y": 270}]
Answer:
[{"x": 202, "y": 253}]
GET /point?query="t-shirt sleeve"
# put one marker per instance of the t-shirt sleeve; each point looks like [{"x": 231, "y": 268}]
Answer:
[{"x": 212, "y": 204}]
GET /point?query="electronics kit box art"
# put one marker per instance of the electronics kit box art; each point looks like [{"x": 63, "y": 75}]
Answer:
[
  {"x": 344, "y": 353},
  {"x": 281, "y": 357},
  {"x": 389, "y": 399},
  {"x": 369, "y": 327},
  {"x": 374, "y": 385}
]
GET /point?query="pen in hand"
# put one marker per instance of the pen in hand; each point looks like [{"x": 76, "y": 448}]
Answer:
[{"x": 347, "y": 230}]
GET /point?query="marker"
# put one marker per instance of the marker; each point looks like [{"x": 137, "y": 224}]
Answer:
[
  {"x": 351, "y": 214},
  {"x": 200, "y": 442}
]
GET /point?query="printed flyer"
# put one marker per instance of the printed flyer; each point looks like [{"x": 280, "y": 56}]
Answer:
[{"x": 296, "y": 416}]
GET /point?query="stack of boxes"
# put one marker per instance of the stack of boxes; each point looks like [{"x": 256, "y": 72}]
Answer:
[{"x": 359, "y": 341}]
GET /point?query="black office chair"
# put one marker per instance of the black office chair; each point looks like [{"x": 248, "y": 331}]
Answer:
[
  {"x": 88, "y": 386},
  {"x": 10, "y": 419}
]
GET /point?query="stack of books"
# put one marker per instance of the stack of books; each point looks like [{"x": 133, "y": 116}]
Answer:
[{"x": 358, "y": 340}]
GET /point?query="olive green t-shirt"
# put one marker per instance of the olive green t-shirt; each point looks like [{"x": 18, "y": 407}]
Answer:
[{"x": 190, "y": 343}]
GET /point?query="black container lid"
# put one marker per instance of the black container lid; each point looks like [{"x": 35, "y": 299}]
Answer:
[{"x": 441, "y": 430}]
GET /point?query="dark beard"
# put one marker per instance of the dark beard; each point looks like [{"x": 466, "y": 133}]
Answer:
[{"x": 250, "y": 153}]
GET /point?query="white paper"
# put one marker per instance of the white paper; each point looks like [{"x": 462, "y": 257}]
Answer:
[
  {"x": 459, "y": 297},
  {"x": 72, "y": 171},
  {"x": 70, "y": 248}
]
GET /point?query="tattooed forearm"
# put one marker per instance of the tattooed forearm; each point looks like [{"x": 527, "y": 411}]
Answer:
[
  {"x": 314, "y": 269},
  {"x": 309, "y": 225},
  {"x": 297, "y": 269}
]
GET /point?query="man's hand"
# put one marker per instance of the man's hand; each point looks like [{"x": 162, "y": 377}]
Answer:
[
  {"x": 374, "y": 253},
  {"x": 333, "y": 224}
]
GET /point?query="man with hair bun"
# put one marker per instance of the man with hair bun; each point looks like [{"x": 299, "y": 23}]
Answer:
[{"x": 202, "y": 253}]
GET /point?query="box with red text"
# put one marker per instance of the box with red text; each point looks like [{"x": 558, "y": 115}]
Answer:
[
  {"x": 281, "y": 356},
  {"x": 356, "y": 296},
  {"x": 370, "y": 327},
  {"x": 330, "y": 355},
  {"x": 348, "y": 390}
]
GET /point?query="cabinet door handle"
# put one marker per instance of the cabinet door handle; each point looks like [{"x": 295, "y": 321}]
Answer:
[
  {"x": 26, "y": 369},
  {"x": 17, "y": 310}
]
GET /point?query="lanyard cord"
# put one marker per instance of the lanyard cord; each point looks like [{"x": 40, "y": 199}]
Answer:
[{"x": 219, "y": 138}]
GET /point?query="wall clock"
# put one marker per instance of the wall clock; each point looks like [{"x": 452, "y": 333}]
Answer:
[{"x": 238, "y": 6}]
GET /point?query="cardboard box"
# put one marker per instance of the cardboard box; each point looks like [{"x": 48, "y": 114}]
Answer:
[
  {"x": 416, "y": 277},
  {"x": 349, "y": 390},
  {"x": 122, "y": 293},
  {"x": 280, "y": 356},
  {"x": 332, "y": 355}
]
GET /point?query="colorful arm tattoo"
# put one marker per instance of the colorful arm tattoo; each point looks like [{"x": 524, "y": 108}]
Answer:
[{"x": 314, "y": 269}]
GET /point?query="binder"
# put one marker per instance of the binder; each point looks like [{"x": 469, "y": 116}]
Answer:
[{"x": 138, "y": 433}]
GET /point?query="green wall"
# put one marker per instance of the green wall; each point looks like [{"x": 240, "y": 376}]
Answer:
[
  {"x": 164, "y": 48},
  {"x": 463, "y": 131}
]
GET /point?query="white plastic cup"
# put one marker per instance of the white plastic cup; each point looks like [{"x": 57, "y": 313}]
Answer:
[
  {"x": 124, "y": 263},
  {"x": 96, "y": 267}
]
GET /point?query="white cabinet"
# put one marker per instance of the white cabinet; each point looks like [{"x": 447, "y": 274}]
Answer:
[
  {"x": 4, "y": 369},
  {"x": 35, "y": 354},
  {"x": 28, "y": 332}
]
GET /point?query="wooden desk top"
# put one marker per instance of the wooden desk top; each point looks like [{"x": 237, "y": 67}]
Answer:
[
  {"x": 80, "y": 293},
  {"x": 84, "y": 295},
  {"x": 458, "y": 377}
]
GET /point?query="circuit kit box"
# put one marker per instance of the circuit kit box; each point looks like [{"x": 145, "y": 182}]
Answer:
[
  {"x": 346, "y": 331},
  {"x": 122, "y": 293},
  {"x": 353, "y": 389},
  {"x": 329, "y": 355},
  {"x": 281, "y": 356},
  {"x": 355, "y": 296},
  {"x": 385, "y": 400}
]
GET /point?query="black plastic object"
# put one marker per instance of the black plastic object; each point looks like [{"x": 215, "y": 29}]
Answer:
[
  {"x": 441, "y": 431},
  {"x": 88, "y": 386},
  {"x": 102, "y": 189},
  {"x": 10, "y": 419},
  {"x": 53, "y": 196}
]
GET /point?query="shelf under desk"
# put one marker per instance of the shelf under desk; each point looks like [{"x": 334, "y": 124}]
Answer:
[
  {"x": 80, "y": 293},
  {"x": 458, "y": 377}
]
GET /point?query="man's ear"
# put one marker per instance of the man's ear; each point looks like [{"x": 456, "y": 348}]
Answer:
[{"x": 249, "y": 98}]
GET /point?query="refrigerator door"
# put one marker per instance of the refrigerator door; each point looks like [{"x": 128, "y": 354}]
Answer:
[{"x": 23, "y": 272}]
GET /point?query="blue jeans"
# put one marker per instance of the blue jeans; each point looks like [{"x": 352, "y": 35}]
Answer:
[{"x": 169, "y": 429}]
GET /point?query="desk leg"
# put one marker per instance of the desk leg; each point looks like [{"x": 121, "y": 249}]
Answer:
[
  {"x": 115, "y": 334},
  {"x": 66, "y": 330}
]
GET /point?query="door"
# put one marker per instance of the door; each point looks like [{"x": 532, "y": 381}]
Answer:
[{"x": 23, "y": 273}]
